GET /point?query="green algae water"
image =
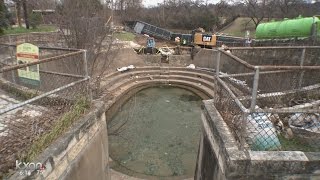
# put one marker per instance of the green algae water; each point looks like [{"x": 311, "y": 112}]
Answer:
[{"x": 156, "y": 133}]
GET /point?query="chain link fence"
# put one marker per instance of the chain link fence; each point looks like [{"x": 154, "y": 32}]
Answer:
[
  {"x": 50, "y": 39},
  {"x": 242, "y": 42},
  {"x": 270, "y": 106},
  {"x": 279, "y": 56},
  {"x": 37, "y": 106},
  {"x": 285, "y": 42}
]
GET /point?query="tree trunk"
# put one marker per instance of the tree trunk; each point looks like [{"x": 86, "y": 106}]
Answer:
[
  {"x": 2, "y": 15},
  {"x": 18, "y": 13},
  {"x": 25, "y": 10}
]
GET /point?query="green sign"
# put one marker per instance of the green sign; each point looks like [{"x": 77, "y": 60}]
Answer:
[{"x": 27, "y": 53}]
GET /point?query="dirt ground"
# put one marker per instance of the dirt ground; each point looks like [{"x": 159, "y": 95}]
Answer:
[
  {"x": 142, "y": 40},
  {"x": 118, "y": 58},
  {"x": 124, "y": 56}
]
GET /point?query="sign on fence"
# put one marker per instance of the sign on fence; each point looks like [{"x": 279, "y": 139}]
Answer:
[{"x": 27, "y": 53}]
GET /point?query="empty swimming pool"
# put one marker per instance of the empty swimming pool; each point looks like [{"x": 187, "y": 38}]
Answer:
[{"x": 156, "y": 133}]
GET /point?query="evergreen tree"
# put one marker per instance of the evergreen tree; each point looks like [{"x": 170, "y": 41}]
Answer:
[{"x": 4, "y": 22}]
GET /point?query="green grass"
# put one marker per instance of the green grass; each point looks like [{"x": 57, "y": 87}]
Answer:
[
  {"x": 124, "y": 36},
  {"x": 296, "y": 144},
  {"x": 239, "y": 27},
  {"x": 76, "y": 111},
  {"x": 20, "y": 30}
]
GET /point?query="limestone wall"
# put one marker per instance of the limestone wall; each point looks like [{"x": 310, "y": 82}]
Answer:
[
  {"x": 79, "y": 154},
  {"x": 278, "y": 55},
  {"x": 205, "y": 58},
  {"x": 219, "y": 156},
  {"x": 174, "y": 60}
]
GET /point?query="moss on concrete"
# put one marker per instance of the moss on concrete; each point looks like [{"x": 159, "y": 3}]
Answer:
[
  {"x": 296, "y": 144},
  {"x": 77, "y": 110}
]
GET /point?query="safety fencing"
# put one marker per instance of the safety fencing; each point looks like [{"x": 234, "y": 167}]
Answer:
[
  {"x": 270, "y": 105},
  {"x": 51, "y": 39},
  {"x": 39, "y": 100}
]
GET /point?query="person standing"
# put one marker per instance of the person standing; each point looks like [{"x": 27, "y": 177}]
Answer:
[
  {"x": 177, "y": 40},
  {"x": 248, "y": 42}
]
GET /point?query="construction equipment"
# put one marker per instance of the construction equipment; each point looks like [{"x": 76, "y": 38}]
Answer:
[
  {"x": 198, "y": 37},
  {"x": 151, "y": 44},
  {"x": 204, "y": 40},
  {"x": 141, "y": 27}
]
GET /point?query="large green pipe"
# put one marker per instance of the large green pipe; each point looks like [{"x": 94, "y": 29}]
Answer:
[{"x": 289, "y": 28}]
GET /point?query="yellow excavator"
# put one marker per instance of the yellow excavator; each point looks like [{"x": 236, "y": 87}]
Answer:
[{"x": 202, "y": 39}]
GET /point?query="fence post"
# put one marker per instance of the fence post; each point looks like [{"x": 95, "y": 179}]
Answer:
[
  {"x": 12, "y": 55},
  {"x": 303, "y": 55},
  {"x": 86, "y": 74},
  {"x": 218, "y": 63},
  {"x": 85, "y": 64},
  {"x": 243, "y": 130},
  {"x": 9, "y": 39},
  {"x": 10, "y": 50},
  {"x": 255, "y": 89},
  {"x": 10, "y": 47}
]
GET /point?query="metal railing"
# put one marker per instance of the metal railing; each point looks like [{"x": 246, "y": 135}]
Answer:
[
  {"x": 30, "y": 108},
  {"x": 270, "y": 107},
  {"x": 53, "y": 39},
  {"x": 69, "y": 68}
]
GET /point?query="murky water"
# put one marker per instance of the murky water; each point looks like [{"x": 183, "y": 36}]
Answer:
[{"x": 157, "y": 133}]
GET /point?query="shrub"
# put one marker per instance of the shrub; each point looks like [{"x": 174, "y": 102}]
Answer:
[
  {"x": 35, "y": 20},
  {"x": 3, "y": 17}
]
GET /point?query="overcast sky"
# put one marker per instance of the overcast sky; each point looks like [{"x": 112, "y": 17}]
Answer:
[{"x": 155, "y": 2}]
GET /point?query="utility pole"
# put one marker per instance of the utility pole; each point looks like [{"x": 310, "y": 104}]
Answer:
[
  {"x": 164, "y": 3},
  {"x": 112, "y": 13}
]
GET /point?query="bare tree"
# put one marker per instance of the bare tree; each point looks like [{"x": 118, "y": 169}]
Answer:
[
  {"x": 25, "y": 13},
  {"x": 125, "y": 4},
  {"x": 256, "y": 10},
  {"x": 3, "y": 23},
  {"x": 85, "y": 24},
  {"x": 21, "y": 4},
  {"x": 286, "y": 7},
  {"x": 18, "y": 11},
  {"x": 42, "y": 4},
  {"x": 128, "y": 9}
]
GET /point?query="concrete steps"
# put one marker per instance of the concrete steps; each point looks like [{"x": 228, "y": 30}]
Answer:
[
  {"x": 194, "y": 79},
  {"x": 162, "y": 68},
  {"x": 180, "y": 83},
  {"x": 141, "y": 73},
  {"x": 121, "y": 86},
  {"x": 152, "y": 74}
]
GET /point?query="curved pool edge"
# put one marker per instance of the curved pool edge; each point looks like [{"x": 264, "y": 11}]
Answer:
[{"x": 124, "y": 96}]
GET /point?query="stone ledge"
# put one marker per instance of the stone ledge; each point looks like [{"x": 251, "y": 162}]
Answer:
[
  {"x": 242, "y": 164},
  {"x": 66, "y": 147}
]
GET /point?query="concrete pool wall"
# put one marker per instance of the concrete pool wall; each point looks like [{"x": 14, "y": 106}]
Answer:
[
  {"x": 82, "y": 152},
  {"x": 220, "y": 157}
]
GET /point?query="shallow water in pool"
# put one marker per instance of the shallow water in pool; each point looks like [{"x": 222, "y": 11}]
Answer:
[{"x": 156, "y": 132}]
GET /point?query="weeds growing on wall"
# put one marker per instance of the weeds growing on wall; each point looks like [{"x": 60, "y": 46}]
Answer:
[{"x": 63, "y": 124}]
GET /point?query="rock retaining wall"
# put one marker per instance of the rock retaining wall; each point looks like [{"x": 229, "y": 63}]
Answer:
[{"x": 219, "y": 156}]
